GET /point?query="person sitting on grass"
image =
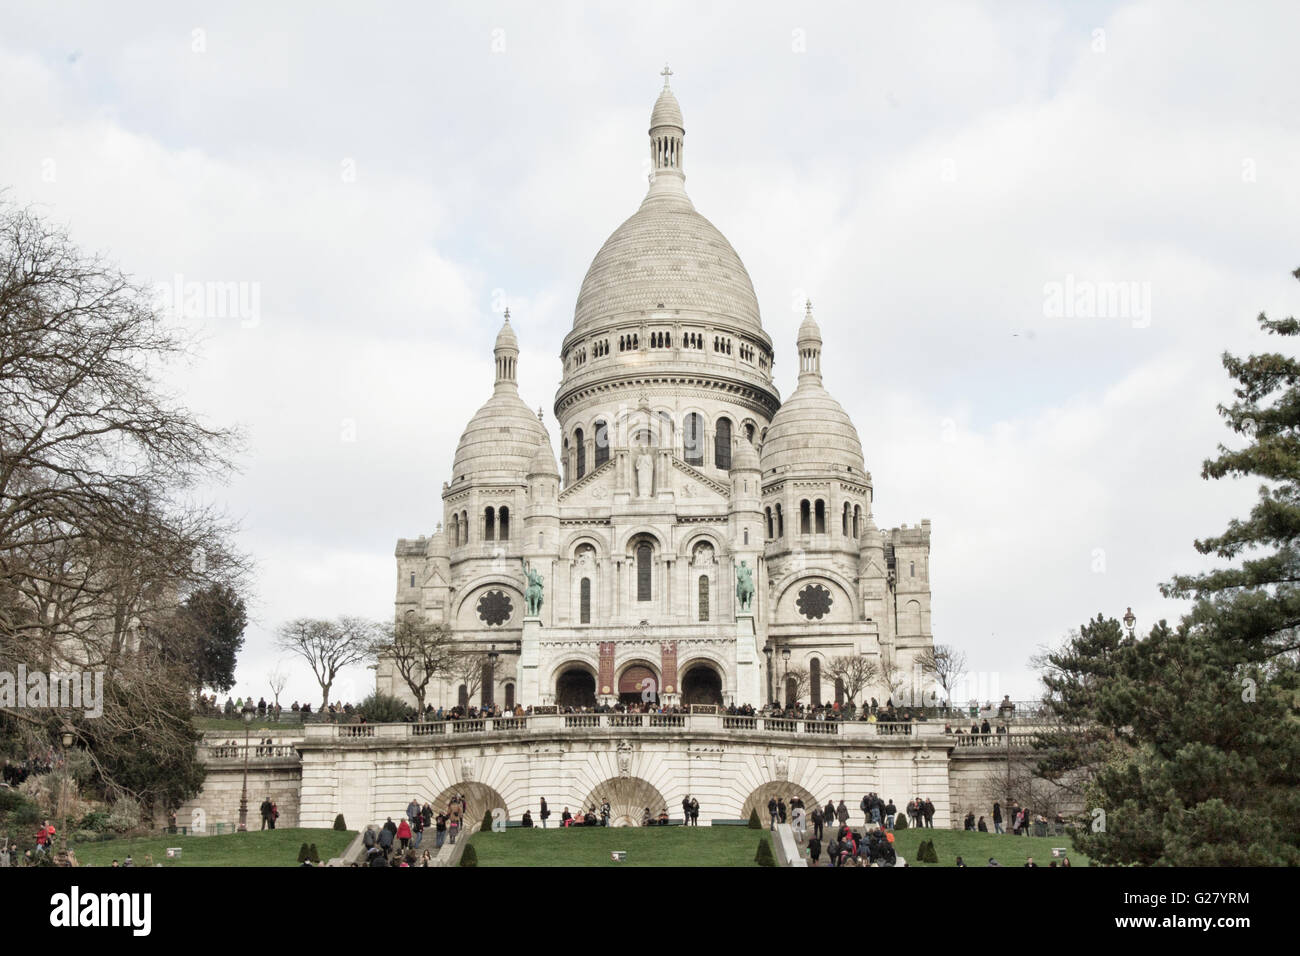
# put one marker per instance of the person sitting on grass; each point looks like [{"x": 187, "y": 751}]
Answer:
[
  {"x": 663, "y": 817},
  {"x": 527, "y": 821},
  {"x": 646, "y": 818},
  {"x": 566, "y": 818}
]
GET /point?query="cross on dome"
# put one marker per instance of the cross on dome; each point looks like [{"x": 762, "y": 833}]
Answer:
[{"x": 665, "y": 73}]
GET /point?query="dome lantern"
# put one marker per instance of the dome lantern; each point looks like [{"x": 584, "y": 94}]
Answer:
[
  {"x": 809, "y": 344},
  {"x": 506, "y": 352},
  {"x": 667, "y": 133}
]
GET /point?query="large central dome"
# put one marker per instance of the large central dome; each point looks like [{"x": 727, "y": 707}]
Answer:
[{"x": 667, "y": 257}]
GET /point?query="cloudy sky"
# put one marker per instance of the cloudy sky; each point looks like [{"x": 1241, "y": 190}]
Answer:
[{"x": 939, "y": 178}]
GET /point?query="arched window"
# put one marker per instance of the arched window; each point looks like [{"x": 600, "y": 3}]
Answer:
[
  {"x": 780, "y": 522},
  {"x": 489, "y": 525},
  {"x": 566, "y": 460},
  {"x": 805, "y": 517},
  {"x": 857, "y": 520},
  {"x": 581, "y": 449},
  {"x": 693, "y": 439},
  {"x": 644, "y": 569},
  {"x": 746, "y": 536},
  {"x": 815, "y": 682},
  {"x": 453, "y": 529},
  {"x": 821, "y": 516},
  {"x": 749, "y": 432},
  {"x": 722, "y": 444},
  {"x": 845, "y": 532},
  {"x": 412, "y": 579},
  {"x": 503, "y": 524},
  {"x": 602, "y": 444},
  {"x": 912, "y": 572},
  {"x": 510, "y": 696},
  {"x": 464, "y": 527},
  {"x": 462, "y": 696},
  {"x": 584, "y": 601},
  {"x": 768, "y": 513},
  {"x": 704, "y": 597}
]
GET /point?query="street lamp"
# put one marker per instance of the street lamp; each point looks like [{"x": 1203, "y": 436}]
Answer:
[
  {"x": 767, "y": 653},
  {"x": 489, "y": 690},
  {"x": 1129, "y": 622},
  {"x": 63, "y": 791},
  {"x": 249, "y": 712},
  {"x": 785, "y": 675}
]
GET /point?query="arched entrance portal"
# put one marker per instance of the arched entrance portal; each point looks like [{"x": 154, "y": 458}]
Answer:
[
  {"x": 637, "y": 684},
  {"x": 782, "y": 790},
  {"x": 479, "y": 798},
  {"x": 575, "y": 687},
  {"x": 702, "y": 684},
  {"x": 628, "y": 798}
]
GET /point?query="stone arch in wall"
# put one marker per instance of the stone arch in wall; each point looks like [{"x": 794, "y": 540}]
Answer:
[
  {"x": 574, "y": 684},
  {"x": 628, "y": 797},
  {"x": 702, "y": 683},
  {"x": 479, "y": 797},
  {"x": 782, "y": 790}
]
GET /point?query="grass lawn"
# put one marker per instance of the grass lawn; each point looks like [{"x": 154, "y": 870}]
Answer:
[
  {"x": 256, "y": 848},
  {"x": 976, "y": 848},
  {"x": 648, "y": 846}
]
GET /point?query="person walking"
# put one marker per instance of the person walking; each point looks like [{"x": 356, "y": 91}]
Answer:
[
  {"x": 842, "y": 814},
  {"x": 771, "y": 812},
  {"x": 817, "y": 819},
  {"x": 266, "y": 813},
  {"x": 545, "y": 812},
  {"x": 404, "y": 834}
]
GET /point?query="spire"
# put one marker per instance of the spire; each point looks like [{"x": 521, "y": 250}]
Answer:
[
  {"x": 809, "y": 343},
  {"x": 667, "y": 132},
  {"x": 506, "y": 352}
]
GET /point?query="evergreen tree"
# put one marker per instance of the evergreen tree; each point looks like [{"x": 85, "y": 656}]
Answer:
[{"x": 1195, "y": 741}]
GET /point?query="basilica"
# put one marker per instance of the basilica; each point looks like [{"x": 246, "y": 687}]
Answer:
[{"x": 699, "y": 540}]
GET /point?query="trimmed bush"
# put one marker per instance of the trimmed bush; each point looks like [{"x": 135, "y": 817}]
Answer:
[
  {"x": 764, "y": 856},
  {"x": 901, "y": 822},
  {"x": 925, "y": 852},
  {"x": 339, "y": 824},
  {"x": 486, "y": 825},
  {"x": 304, "y": 854},
  {"x": 470, "y": 856},
  {"x": 754, "y": 823},
  {"x": 384, "y": 709},
  {"x": 313, "y": 854}
]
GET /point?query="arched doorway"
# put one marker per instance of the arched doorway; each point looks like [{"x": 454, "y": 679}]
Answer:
[
  {"x": 628, "y": 798},
  {"x": 702, "y": 684},
  {"x": 781, "y": 790},
  {"x": 575, "y": 687},
  {"x": 479, "y": 798},
  {"x": 638, "y": 684}
]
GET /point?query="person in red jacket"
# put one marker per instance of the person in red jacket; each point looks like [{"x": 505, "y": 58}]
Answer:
[{"x": 404, "y": 833}]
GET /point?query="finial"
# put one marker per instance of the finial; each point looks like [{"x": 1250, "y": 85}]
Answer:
[
  {"x": 539, "y": 413},
  {"x": 507, "y": 313},
  {"x": 665, "y": 74},
  {"x": 807, "y": 307}
]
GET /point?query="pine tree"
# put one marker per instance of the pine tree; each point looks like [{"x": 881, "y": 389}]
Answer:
[
  {"x": 1196, "y": 724},
  {"x": 764, "y": 856}
]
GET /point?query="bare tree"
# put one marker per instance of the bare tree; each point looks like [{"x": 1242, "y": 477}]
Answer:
[
  {"x": 894, "y": 679},
  {"x": 946, "y": 664},
  {"x": 855, "y": 672},
  {"x": 420, "y": 651},
  {"x": 328, "y": 646},
  {"x": 277, "y": 679},
  {"x": 466, "y": 667},
  {"x": 797, "y": 679}
]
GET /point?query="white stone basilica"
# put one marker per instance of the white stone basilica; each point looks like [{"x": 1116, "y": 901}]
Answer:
[{"x": 684, "y": 485}]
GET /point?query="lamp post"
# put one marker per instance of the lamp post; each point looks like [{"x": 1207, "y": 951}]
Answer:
[
  {"x": 1130, "y": 621},
  {"x": 489, "y": 685},
  {"x": 249, "y": 712},
  {"x": 767, "y": 653},
  {"x": 785, "y": 674},
  {"x": 63, "y": 792}
]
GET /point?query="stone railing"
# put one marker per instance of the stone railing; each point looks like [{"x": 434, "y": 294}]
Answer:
[
  {"x": 991, "y": 741},
  {"x": 693, "y": 723},
  {"x": 209, "y": 753}
]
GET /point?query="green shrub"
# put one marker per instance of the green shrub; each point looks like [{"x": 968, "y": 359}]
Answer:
[
  {"x": 97, "y": 820},
  {"x": 486, "y": 824},
  {"x": 470, "y": 857},
  {"x": 11, "y": 800},
  {"x": 925, "y": 852},
  {"x": 754, "y": 823},
  {"x": 313, "y": 854},
  {"x": 901, "y": 822},
  {"x": 124, "y": 815},
  {"x": 384, "y": 709},
  {"x": 339, "y": 824},
  {"x": 764, "y": 856},
  {"x": 304, "y": 854}
]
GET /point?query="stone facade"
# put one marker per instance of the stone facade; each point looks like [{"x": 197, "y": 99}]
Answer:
[{"x": 681, "y": 470}]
